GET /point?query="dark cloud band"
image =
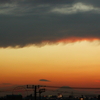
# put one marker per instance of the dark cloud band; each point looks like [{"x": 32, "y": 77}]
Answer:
[{"x": 25, "y": 22}]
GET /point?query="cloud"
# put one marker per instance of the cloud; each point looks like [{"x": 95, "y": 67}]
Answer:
[
  {"x": 36, "y": 22},
  {"x": 75, "y": 8},
  {"x": 44, "y": 80},
  {"x": 5, "y": 1},
  {"x": 6, "y": 84}
]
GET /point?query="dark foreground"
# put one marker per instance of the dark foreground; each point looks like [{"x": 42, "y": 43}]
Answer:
[{"x": 19, "y": 97}]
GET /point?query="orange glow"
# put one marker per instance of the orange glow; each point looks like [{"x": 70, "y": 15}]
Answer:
[
  {"x": 75, "y": 39},
  {"x": 71, "y": 40},
  {"x": 76, "y": 64}
]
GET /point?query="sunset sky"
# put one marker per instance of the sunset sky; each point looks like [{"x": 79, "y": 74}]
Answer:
[{"x": 50, "y": 42}]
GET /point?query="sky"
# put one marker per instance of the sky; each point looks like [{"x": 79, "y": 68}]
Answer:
[{"x": 50, "y": 42}]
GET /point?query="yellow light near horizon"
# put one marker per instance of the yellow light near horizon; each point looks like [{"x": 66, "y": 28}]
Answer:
[{"x": 69, "y": 62}]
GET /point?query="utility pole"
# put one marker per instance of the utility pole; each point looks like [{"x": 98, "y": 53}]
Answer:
[
  {"x": 40, "y": 91},
  {"x": 35, "y": 91},
  {"x": 35, "y": 87}
]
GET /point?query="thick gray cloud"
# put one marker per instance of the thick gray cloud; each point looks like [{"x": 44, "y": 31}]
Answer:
[
  {"x": 5, "y": 1},
  {"x": 27, "y": 22}
]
